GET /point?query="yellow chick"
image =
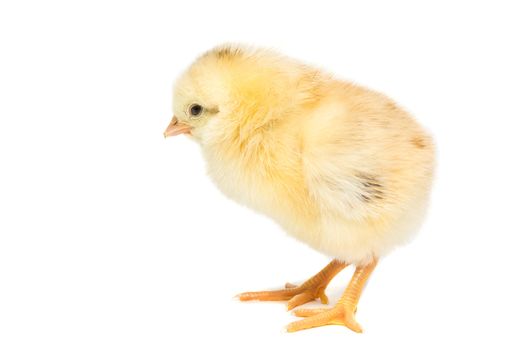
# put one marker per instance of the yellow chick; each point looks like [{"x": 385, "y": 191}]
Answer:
[{"x": 338, "y": 166}]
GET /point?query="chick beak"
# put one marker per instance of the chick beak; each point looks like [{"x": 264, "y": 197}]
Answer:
[{"x": 176, "y": 127}]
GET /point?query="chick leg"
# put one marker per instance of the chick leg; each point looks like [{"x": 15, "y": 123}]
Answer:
[
  {"x": 343, "y": 313},
  {"x": 298, "y": 295}
]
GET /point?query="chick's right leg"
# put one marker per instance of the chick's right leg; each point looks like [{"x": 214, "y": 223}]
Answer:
[{"x": 298, "y": 295}]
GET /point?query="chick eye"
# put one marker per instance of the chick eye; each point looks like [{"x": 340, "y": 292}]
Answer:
[{"x": 196, "y": 110}]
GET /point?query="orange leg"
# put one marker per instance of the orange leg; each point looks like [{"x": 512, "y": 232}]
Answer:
[
  {"x": 343, "y": 313},
  {"x": 298, "y": 295}
]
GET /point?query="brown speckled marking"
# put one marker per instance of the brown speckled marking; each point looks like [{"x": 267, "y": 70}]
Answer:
[
  {"x": 372, "y": 188},
  {"x": 391, "y": 106},
  {"x": 418, "y": 142},
  {"x": 227, "y": 52},
  {"x": 365, "y": 198}
]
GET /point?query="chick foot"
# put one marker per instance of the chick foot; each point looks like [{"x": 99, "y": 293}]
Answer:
[
  {"x": 343, "y": 313},
  {"x": 298, "y": 295}
]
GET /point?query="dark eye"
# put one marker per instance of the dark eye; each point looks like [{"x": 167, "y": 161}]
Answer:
[{"x": 196, "y": 110}]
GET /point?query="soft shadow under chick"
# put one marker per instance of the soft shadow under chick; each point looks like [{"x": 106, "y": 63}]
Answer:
[{"x": 339, "y": 167}]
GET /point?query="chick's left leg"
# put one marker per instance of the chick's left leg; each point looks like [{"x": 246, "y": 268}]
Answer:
[
  {"x": 297, "y": 295},
  {"x": 343, "y": 313}
]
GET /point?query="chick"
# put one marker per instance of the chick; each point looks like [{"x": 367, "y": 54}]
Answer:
[{"x": 340, "y": 167}]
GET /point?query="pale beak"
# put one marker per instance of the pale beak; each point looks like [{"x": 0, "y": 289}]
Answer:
[{"x": 176, "y": 127}]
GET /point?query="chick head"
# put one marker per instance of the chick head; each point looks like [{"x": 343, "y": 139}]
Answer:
[
  {"x": 199, "y": 96},
  {"x": 232, "y": 89}
]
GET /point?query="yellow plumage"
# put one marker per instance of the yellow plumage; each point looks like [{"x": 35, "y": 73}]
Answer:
[{"x": 339, "y": 167}]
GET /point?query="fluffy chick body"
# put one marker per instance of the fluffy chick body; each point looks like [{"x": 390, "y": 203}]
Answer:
[{"x": 338, "y": 166}]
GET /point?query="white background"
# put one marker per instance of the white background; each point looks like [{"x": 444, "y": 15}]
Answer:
[{"x": 113, "y": 238}]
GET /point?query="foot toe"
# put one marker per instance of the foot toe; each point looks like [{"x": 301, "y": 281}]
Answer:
[
  {"x": 308, "y": 312},
  {"x": 300, "y": 299},
  {"x": 330, "y": 316},
  {"x": 338, "y": 315},
  {"x": 275, "y": 295}
]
